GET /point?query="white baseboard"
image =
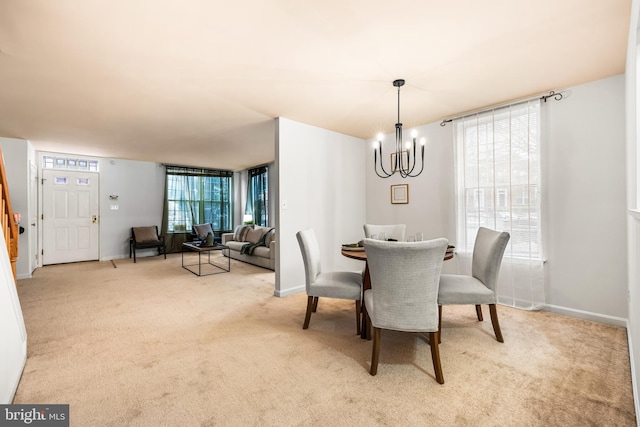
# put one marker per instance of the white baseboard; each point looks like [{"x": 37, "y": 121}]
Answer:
[
  {"x": 289, "y": 291},
  {"x": 587, "y": 315}
]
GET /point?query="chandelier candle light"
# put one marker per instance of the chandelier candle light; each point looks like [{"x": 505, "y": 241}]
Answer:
[{"x": 401, "y": 158}]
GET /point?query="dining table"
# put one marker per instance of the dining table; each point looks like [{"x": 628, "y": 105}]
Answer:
[{"x": 360, "y": 254}]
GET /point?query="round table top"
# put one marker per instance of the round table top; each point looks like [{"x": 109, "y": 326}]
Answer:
[
  {"x": 358, "y": 254},
  {"x": 362, "y": 255}
]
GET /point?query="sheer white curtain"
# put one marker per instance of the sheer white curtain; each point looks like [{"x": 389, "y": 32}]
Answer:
[{"x": 498, "y": 187}]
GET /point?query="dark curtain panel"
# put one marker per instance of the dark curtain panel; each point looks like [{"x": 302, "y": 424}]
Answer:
[
  {"x": 258, "y": 196},
  {"x": 195, "y": 196}
]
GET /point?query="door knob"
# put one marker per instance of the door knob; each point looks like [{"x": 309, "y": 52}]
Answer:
[{"x": 94, "y": 219}]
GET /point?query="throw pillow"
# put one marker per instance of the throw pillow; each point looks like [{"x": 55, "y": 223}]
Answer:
[
  {"x": 271, "y": 236},
  {"x": 145, "y": 234},
  {"x": 253, "y": 236},
  {"x": 202, "y": 230},
  {"x": 241, "y": 233}
]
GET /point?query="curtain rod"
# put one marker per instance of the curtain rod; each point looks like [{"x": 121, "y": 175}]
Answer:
[{"x": 555, "y": 95}]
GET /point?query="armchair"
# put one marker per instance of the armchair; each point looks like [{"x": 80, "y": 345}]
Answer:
[{"x": 146, "y": 238}]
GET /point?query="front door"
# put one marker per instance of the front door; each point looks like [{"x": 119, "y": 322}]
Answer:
[
  {"x": 70, "y": 216},
  {"x": 32, "y": 225}
]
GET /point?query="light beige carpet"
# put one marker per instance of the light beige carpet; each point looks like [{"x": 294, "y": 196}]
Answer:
[{"x": 150, "y": 344}]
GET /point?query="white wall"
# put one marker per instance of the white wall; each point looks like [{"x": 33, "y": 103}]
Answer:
[
  {"x": 140, "y": 190},
  {"x": 18, "y": 155},
  {"x": 586, "y": 200},
  {"x": 633, "y": 187},
  {"x": 321, "y": 180},
  {"x": 584, "y": 167}
]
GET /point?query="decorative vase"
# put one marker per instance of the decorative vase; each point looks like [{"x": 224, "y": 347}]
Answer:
[{"x": 209, "y": 240}]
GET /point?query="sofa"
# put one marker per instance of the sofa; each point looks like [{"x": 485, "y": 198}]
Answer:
[{"x": 260, "y": 242}]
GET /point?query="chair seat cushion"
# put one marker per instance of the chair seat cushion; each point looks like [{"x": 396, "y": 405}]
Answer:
[
  {"x": 461, "y": 289},
  {"x": 337, "y": 284}
]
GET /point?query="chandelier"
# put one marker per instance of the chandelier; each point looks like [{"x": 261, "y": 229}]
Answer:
[{"x": 403, "y": 159}]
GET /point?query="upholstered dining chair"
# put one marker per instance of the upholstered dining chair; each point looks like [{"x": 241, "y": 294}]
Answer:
[
  {"x": 404, "y": 291},
  {"x": 392, "y": 231},
  {"x": 322, "y": 284},
  {"x": 480, "y": 287}
]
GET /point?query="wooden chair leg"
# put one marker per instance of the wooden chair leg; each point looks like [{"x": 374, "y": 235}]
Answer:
[
  {"x": 439, "y": 322},
  {"x": 365, "y": 327},
  {"x": 358, "y": 316},
  {"x": 479, "y": 312},
  {"x": 315, "y": 304},
  {"x": 307, "y": 317},
  {"x": 435, "y": 356},
  {"x": 375, "y": 353},
  {"x": 494, "y": 321}
]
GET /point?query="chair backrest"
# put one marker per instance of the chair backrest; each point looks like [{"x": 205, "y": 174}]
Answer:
[
  {"x": 393, "y": 231},
  {"x": 310, "y": 255},
  {"x": 145, "y": 234},
  {"x": 488, "y": 252},
  {"x": 404, "y": 282},
  {"x": 202, "y": 230}
]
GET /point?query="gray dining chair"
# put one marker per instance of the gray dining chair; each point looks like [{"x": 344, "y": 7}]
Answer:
[
  {"x": 392, "y": 231},
  {"x": 480, "y": 287},
  {"x": 404, "y": 291},
  {"x": 334, "y": 284}
]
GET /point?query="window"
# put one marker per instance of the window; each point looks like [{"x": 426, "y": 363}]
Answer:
[
  {"x": 498, "y": 181},
  {"x": 49, "y": 162},
  {"x": 498, "y": 176},
  {"x": 198, "y": 196},
  {"x": 257, "y": 209}
]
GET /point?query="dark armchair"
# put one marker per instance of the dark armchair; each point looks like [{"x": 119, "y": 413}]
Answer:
[{"x": 146, "y": 238}]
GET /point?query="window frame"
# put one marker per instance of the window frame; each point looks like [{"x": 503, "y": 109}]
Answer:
[{"x": 183, "y": 211}]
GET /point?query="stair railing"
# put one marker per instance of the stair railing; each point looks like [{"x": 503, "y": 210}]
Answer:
[{"x": 8, "y": 220}]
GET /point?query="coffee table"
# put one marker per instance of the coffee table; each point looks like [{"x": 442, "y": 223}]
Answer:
[{"x": 206, "y": 267}]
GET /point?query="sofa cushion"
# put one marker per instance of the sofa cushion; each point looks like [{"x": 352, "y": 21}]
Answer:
[
  {"x": 254, "y": 235},
  {"x": 270, "y": 237},
  {"x": 240, "y": 232},
  {"x": 235, "y": 246},
  {"x": 262, "y": 252}
]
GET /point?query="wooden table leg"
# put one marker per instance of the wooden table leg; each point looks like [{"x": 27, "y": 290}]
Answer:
[{"x": 365, "y": 333}]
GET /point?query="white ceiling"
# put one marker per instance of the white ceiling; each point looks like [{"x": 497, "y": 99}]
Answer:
[{"x": 198, "y": 82}]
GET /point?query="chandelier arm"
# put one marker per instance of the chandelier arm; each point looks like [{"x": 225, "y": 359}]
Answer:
[
  {"x": 375, "y": 163},
  {"x": 413, "y": 165},
  {"x": 421, "y": 162}
]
